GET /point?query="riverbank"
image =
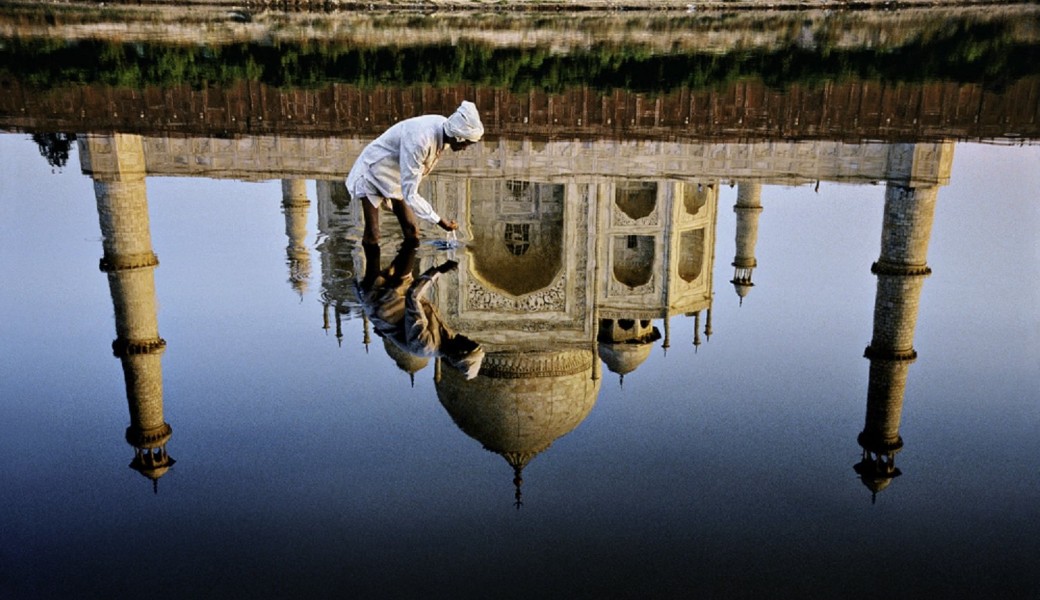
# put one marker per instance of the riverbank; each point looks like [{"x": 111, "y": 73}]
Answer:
[
  {"x": 521, "y": 6},
  {"x": 657, "y": 31}
]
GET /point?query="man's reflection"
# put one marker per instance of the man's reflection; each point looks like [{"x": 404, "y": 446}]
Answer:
[{"x": 398, "y": 308}]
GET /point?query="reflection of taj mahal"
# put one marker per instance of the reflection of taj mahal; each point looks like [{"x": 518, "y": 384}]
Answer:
[{"x": 575, "y": 253}]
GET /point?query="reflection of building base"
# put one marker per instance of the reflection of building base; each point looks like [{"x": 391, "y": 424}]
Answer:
[
  {"x": 254, "y": 158},
  {"x": 742, "y": 110}
]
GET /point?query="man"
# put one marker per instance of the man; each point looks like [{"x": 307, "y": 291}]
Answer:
[
  {"x": 400, "y": 311},
  {"x": 389, "y": 170}
]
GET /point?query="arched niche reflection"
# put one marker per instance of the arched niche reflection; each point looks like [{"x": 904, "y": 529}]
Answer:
[
  {"x": 694, "y": 197},
  {"x": 637, "y": 199},
  {"x": 691, "y": 254},
  {"x": 517, "y": 229},
  {"x": 633, "y": 259}
]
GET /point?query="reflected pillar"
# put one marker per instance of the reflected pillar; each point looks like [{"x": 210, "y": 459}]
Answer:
[
  {"x": 748, "y": 208},
  {"x": 295, "y": 205},
  {"x": 341, "y": 258},
  {"x": 900, "y": 270},
  {"x": 116, "y": 164}
]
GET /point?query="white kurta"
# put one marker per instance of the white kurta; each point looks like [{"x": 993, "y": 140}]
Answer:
[{"x": 394, "y": 164}]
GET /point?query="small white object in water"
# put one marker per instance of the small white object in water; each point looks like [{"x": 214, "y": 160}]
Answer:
[{"x": 453, "y": 239}]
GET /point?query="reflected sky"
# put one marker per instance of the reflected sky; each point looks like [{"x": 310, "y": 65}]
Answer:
[{"x": 306, "y": 465}]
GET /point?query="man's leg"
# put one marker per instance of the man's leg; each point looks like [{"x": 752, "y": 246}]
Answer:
[
  {"x": 371, "y": 212},
  {"x": 405, "y": 216},
  {"x": 371, "y": 265}
]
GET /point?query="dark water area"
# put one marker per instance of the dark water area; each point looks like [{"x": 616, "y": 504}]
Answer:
[{"x": 761, "y": 361}]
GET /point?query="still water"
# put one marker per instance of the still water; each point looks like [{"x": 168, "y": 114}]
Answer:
[
  {"x": 309, "y": 463},
  {"x": 743, "y": 338}
]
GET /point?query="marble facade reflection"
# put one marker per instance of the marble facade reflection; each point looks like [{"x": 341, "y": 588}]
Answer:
[{"x": 576, "y": 256}]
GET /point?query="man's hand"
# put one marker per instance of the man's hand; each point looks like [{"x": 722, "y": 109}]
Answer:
[
  {"x": 448, "y": 225},
  {"x": 447, "y": 267}
]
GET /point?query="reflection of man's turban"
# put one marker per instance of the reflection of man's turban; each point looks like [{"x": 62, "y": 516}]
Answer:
[
  {"x": 464, "y": 125},
  {"x": 468, "y": 364}
]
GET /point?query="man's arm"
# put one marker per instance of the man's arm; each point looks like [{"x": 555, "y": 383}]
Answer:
[{"x": 412, "y": 157}]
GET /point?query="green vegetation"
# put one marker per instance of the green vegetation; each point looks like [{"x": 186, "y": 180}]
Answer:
[{"x": 964, "y": 53}]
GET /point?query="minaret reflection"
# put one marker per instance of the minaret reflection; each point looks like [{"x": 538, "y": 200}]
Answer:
[
  {"x": 295, "y": 205},
  {"x": 116, "y": 164},
  {"x": 337, "y": 248},
  {"x": 748, "y": 208},
  {"x": 900, "y": 270}
]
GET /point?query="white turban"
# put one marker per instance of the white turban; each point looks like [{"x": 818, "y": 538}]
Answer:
[{"x": 464, "y": 125}]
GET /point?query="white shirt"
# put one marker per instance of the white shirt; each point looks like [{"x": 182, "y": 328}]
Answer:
[{"x": 393, "y": 165}]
